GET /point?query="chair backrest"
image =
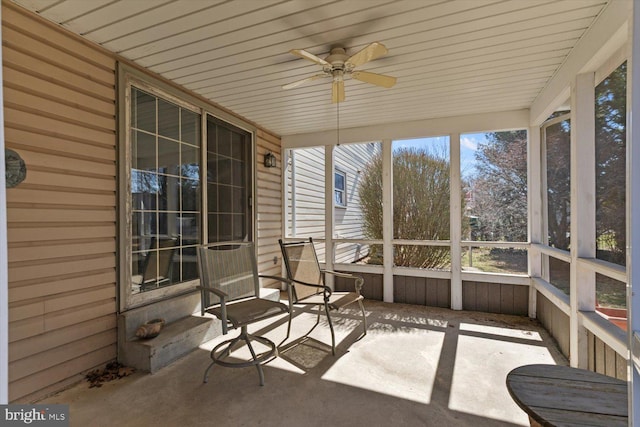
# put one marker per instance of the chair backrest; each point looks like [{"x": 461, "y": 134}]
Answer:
[
  {"x": 157, "y": 265},
  {"x": 229, "y": 267},
  {"x": 301, "y": 262}
]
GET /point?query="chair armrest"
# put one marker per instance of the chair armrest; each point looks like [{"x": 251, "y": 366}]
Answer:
[
  {"x": 326, "y": 290},
  {"x": 218, "y": 292},
  {"x": 223, "y": 304},
  {"x": 288, "y": 282},
  {"x": 359, "y": 281}
]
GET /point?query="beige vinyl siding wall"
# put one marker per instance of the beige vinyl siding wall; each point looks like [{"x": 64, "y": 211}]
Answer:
[
  {"x": 269, "y": 205},
  {"x": 60, "y": 117},
  {"x": 59, "y": 94}
]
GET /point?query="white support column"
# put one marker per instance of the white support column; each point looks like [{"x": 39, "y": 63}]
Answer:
[
  {"x": 455, "y": 214},
  {"x": 4, "y": 280},
  {"x": 633, "y": 215},
  {"x": 583, "y": 211},
  {"x": 387, "y": 220},
  {"x": 535, "y": 212},
  {"x": 329, "y": 201}
]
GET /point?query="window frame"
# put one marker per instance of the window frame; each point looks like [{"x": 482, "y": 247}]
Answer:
[
  {"x": 128, "y": 77},
  {"x": 336, "y": 190}
]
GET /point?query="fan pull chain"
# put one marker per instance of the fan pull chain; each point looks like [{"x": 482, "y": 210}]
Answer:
[{"x": 338, "y": 120}]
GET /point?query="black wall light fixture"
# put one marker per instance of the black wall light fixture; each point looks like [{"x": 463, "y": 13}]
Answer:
[{"x": 269, "y": 160}]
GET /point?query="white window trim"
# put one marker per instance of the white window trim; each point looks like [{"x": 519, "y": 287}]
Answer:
[
  {"x": 128, "y": 76},
  {"x": 344, "y": 191}
]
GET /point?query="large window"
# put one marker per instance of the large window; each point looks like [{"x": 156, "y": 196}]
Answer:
[
  {"x": 169, "y": 214},
  {"x": 421, "y": 202},
  {"x": 556, "y": 162},
  {"x": 360, "y": 218},
  {"x": 493, "y": 169},
  {"x": 610, "y": 106},
  {"x": 165, "y": 191}
]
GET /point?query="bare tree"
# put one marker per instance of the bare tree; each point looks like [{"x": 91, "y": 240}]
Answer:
[
  {"x": 499, "y": 188},
  {"x": 420, "y": 205}
]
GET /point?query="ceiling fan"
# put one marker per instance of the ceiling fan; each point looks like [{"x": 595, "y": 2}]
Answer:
[{"x": 338, "y": 65}]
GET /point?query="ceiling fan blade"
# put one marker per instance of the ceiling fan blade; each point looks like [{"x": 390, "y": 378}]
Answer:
[
  {"x": 373, "y": 78},
  {"x": 303, "y": 81},
  {"x": 337, "y": 91},
  {"x": 369, "y": 53},
  {"x": 310, "y": 56}
]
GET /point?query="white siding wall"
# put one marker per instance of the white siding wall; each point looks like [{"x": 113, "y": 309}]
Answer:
[{"x": 306, "y": 173}]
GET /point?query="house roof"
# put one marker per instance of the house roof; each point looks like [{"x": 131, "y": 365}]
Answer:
[{"x": 451, "y": 58}]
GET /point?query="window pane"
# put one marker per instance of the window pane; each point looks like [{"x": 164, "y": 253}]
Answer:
[
  {"x": 305, "y": 193},
  {"x": 143, "y": 111},
  {"x": 228, "y": 181},
  {"x": 558, "y": 160},
  {"x": 421, "y": 193},
  {"x": 559, "y": 273},
  {"x": 361, "y": 204},
  {"x": 168, "y": 119},
  {"x": 429, "y": 257},
  {"x": 190, "y": 127},
  {"x": 165, "y": 182},
  {"x": 168, "y": 156},
  {"x": 365, "y": 206},
  {"x": 611, "y": 167},
  {"x": 494, "y": 260},
  {"x": 494, "y": 185},
  {"x": 143, "y": 151},
  {"x": 339, "y": 181},
  {"x": 611, "y": 300}
]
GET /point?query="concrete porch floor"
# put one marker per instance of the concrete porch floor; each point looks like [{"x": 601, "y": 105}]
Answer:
[{"x": 417, "y": 366}]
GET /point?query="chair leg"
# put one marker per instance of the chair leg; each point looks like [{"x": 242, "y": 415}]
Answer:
[
  {"x": 253, "y": 355},
  {"x": 333, "y": 335},
  {"x": 364, "y": 317},
  {"x": 206, "y": 373}
]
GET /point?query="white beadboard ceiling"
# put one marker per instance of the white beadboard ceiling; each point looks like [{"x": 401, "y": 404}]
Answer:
[{"x": 451, "y": 57}]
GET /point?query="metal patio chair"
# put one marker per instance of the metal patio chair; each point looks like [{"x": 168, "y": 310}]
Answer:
[
  {"x": 230, "y": 290},
  {"x": 308, "y": 286}
]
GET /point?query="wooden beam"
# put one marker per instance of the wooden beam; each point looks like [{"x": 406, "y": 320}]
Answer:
[{"x": 487, "y": 122}]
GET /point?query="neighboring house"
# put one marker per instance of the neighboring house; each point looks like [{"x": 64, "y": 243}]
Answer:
[{"x": 306, "y": 202}]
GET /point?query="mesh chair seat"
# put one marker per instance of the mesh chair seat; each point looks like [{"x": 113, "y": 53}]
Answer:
[{"x": 249, "y": 311}]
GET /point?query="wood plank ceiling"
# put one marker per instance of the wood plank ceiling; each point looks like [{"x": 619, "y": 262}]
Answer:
[{"x": 450, "y": 57}]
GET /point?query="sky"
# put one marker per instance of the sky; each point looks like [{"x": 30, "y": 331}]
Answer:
[{"x": 468, "y": 146}]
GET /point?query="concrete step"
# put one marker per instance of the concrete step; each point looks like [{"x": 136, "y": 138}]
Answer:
[
  {"x": 183, "y": 332},
  {"x": 175, "y": 340}
]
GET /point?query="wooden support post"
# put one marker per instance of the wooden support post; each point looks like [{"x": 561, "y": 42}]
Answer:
[
  {"x": 536, "y": 229},
  {"x": 387, "y": 220},
  {"x": 583, "y": 212},
  {"x": 633, "y": 215},
  {"x": 329, "y": 201},
  {"x": 455, "y": 215}
]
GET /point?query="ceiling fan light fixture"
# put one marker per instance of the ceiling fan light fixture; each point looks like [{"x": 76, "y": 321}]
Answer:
[{"x": 338, "y": 64}]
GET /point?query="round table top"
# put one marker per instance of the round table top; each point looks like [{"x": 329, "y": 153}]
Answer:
[{"x": 555, "y": 395}]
